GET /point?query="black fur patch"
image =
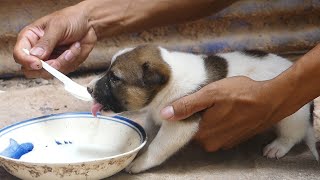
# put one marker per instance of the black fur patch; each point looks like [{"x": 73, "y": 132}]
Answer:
[
  {"x": 104, "y": 95},
  {"x": 217, "y": 67},
  {"x": 311, "y": 113},
  {"x": 255, "y": 53}
]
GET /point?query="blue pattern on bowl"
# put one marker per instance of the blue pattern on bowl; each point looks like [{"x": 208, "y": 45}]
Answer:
[
  {"x": 45, "y": 161},
  {"x": 16, "y": 150}
]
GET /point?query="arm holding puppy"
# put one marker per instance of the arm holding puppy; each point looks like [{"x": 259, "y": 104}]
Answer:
[
  {"x": 238, "y": 108},
  {"x": 66, "y": 37}
]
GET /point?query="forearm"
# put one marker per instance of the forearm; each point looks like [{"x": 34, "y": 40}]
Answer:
[
  {"x": 110, "y": 17},
  {"x": 298, "y": 85}
]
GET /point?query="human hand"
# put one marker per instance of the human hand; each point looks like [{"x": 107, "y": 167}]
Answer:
[
  {"x": 63, "y": 39},
  {"x": 57, "y": 35},
  {"x": 236, "y": 109}
]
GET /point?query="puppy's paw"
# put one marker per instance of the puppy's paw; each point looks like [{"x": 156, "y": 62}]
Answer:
[
  {"x": 277, "y": 149},
  {"x": 133, "y": 169},
  {"x": 138, "y": 165}
]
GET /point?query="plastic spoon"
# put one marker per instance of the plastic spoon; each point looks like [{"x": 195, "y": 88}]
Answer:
[{"x": 72, "y": 87}]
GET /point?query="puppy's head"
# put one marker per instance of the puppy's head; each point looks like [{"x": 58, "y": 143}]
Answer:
[{"x": 133, "y": 79}]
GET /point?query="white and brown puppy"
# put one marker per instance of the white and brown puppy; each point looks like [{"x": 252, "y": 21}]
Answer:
[{"x": 152, "y": 77}]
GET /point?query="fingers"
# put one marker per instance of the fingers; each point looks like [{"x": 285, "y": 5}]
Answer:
[
  {"x": 189, "y": 105},
  {"x": 72, "y": 58},
  {"x": 25, "y": 40},
  {"x": 217, "y": 138},
  {"x": 47, "y": 42},
  {"x": 87, "y": 44},
  {"x": 208, "y": 144},
  {"x": 67, "y": 57},
  {"x": 31, "y": 73},
  {"x": 215, "y": 133},
  {"x": 66, "y": 62}
]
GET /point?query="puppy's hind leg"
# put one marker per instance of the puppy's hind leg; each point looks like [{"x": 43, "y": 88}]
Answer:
[
  {"x": 312, "y": 143},
  {"x": 171, "y": 137},
  {"x": 291, "y": 131},
  {"x": 310, "y": 138}
]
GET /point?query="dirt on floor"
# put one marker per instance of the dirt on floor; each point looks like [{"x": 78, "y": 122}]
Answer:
[{"x": 28, "y": 98}]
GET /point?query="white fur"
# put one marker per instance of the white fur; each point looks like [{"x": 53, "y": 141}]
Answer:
[
  {"x": 114, "y": 57},
  {"x": 187, "y": 74},
  {"x": 256, "y": 68},
  {"x": 171, "y": 135}
]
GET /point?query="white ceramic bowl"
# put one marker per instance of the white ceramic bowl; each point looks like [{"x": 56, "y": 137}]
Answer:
[{"x": 70, "y": 146}]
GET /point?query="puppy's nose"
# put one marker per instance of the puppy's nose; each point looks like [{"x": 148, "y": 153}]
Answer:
[{"x": 90, "y": 90}]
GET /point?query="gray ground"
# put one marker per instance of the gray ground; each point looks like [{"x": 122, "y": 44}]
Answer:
[
  {"x": 275, "y": 26},
  {"x": 29, "y": 98}
]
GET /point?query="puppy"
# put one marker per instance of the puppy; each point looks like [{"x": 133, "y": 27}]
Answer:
[{"x": 150, "y": 77}]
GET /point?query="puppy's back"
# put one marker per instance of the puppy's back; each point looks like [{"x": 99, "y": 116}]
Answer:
[{"x": 255, "y": 64}]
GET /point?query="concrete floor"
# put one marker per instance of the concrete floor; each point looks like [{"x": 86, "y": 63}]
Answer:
[
  {"x": 283, "y": 26},
  {"x": 25, "y": 99}
]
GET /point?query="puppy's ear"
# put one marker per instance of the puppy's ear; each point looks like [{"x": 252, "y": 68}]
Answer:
[{"x": 153, "y": 76}]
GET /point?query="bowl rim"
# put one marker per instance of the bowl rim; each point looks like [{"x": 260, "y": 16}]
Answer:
[{"x": 116, "y": 118}]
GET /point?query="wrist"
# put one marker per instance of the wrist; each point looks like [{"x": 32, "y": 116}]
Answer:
[
  {"x": 279, "y": 93},
  {"x": 109, "y": 17},
  {"x": 87, "y": 7},
  {"x": 296, "y": 86}
]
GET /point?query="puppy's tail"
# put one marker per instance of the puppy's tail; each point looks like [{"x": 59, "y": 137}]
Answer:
[
  {"x": 313, "y": 145},
  {"x": 310, "y": 139}
]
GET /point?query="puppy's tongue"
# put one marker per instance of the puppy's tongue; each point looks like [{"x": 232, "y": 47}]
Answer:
[{"x": 96, "y": 107}]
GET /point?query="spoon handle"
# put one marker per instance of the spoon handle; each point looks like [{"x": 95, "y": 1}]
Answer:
[{"x": 63, "y": 78}]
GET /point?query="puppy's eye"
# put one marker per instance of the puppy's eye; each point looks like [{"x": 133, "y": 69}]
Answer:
[{"x": 114, "y": 78}]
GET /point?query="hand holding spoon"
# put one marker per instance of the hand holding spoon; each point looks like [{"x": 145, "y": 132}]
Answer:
[{"x": 72, "y": 87}]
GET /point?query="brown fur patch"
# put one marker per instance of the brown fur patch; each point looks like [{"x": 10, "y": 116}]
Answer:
[
  {"x": 137, "y": 97},
  {"x": 136, "y": 77},
  {"x": 143, "y": 84}
]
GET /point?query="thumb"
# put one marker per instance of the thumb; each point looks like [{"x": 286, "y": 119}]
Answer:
[
  {"x": 186, "y": 106},
  {"x": 45, "y": 45}
]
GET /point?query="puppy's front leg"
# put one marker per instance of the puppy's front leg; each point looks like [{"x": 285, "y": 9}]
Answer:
[
  {"x": 151, "y": 129},
  {"x": 171, "y": 137}
]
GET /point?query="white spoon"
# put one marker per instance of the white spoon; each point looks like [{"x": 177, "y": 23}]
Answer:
[{"x": 72, "y": 87}]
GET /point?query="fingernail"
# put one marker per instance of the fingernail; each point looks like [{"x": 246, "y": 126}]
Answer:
[
  {"x": 37, "y": 51},
  {"x": 77, "y": 45},
  {"x": 167, "y": 112},
  {"x": 36, "y": 65},
  {"x": 68, "y": 56}
]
